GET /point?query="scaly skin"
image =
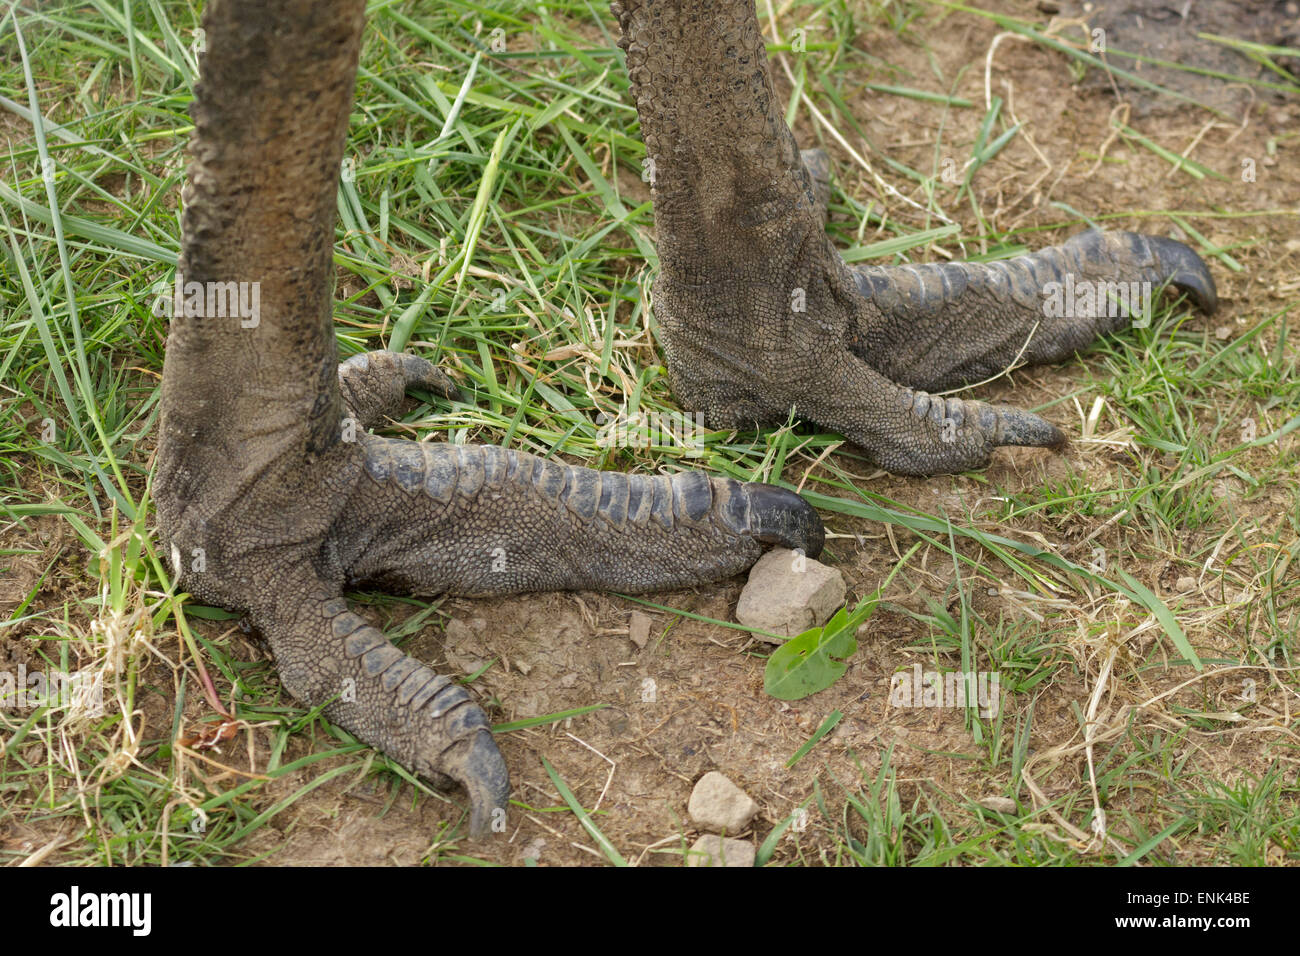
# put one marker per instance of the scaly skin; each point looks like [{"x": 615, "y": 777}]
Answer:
[
  {"x": 271, "y": 497},
  {"x": 760, "y": 315}
]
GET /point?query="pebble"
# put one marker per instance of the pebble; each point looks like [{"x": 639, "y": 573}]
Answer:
[
  {"x": 638, "y": 629},
  {"x": 718, "y": 804},
  {"x": 713, "y": 850},
  {"x": 787, "y": 593}
]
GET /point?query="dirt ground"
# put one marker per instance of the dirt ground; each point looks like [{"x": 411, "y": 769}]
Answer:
[{"x": 636, "y": 760}]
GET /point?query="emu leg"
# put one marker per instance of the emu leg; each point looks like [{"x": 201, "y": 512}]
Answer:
[{"x": 759, "y": 315}]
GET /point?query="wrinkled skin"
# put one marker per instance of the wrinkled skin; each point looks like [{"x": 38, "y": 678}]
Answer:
[
  {"x": 272, "y": 498},
  {"x": 760, "y": 315}
]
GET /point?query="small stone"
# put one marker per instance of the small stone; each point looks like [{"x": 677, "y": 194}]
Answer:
[
  {"x": 533, "y": 851},
  {"x": 713, "y": 850},
  {"x": 1185, "y": 583},
  {"x": 787, "y": 593},
  {"x": 718, "y": 804},
  {"x": 458, "y": 632},
  {"x": 638, "y": 629},
  {"x": 998, "y": 804}
]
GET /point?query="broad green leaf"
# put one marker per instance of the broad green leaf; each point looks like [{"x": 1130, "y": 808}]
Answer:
[{"x": 815, "y": 659}]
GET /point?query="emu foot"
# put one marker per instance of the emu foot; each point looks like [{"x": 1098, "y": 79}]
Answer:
[
  {"x": 759, "y": 314},
  {"x": 858, "y": 350},
  {"x": 433, "y": 518},
  {"x": 475, "y": 520},
  {"x": 479, "y": 519},
  {"x": 421, "y": 719}
]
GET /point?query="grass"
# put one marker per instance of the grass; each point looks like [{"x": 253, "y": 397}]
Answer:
[{"x": 492, "y": 216}]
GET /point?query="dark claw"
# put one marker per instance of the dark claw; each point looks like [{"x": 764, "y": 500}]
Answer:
[
  {"x": 372, "y": 384},
  {"x": 424, "y": 374},
  {"x": 440, "y": 383},
  {"x": 779, "y": 516},
  {"x": 1014, "y": 426},
  {"x": 477, "y": 765},
  {"x": 1185, "y": 270}
]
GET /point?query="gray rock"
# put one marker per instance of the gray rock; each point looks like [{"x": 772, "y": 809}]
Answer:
[
  {"x": 713, "y": 850},
  {"x": 788, "y": 593},
  {"x": 638, "y": 629},
  {"x": 459, "y": 633},
  {"x": 718, "y": 804}
]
